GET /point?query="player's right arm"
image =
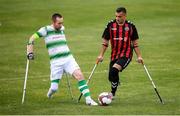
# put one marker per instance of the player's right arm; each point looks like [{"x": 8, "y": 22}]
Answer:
[
  {"x": 105, "y": 43},
  {"x": 40, "y": 33},
  {"x": 103, "y": 50},
  {"x": 30, "y": 46}
]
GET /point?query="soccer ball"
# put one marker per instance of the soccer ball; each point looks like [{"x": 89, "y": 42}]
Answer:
[{"x": 105, "y": 98}]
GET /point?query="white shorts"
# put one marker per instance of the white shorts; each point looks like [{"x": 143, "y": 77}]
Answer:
[{"x": 57, "y": 69}]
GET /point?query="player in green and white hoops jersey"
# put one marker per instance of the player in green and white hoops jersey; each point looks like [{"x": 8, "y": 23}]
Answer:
[{"x": 61, "y": 59}]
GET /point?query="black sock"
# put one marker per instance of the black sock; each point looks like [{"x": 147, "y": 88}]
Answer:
[{"x": 114, "y": 86}]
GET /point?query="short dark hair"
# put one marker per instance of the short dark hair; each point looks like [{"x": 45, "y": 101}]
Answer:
[
  {"x": 55, "y": 15},
  {"x": 121, "y": 9}
]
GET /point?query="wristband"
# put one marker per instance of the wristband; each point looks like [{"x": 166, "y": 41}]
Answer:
[
  {"x": 136, "y": 46},
  {"x": 106, "y": 45},
  {"x": 30, "y": 43}
]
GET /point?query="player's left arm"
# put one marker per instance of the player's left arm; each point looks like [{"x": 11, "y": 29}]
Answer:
[
  {"x": 137, "y": 51},
  {"x": 135, "y": 37}
]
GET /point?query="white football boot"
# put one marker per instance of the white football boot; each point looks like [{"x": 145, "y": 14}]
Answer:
[
  {"x": 91, "y": 102},
  {"x": 50, "y": 93}
]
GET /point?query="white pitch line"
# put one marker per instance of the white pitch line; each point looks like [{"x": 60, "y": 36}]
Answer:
[{"x": 96, "y": 72}]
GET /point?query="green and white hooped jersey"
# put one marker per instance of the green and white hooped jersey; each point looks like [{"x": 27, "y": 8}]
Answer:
[{"x": 56, "y": 44}]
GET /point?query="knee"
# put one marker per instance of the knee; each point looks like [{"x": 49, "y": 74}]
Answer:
[
  {"x": 113, "y": 75},
  {"x": 54, "y": 86},
  {"x": 78, "y": 75}
]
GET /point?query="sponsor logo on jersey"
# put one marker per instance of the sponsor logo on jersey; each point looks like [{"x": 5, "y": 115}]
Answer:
[
  {"x": 58, "y": 37},
  {"x": 124, "y": 39},
  {"x": 113, "y": 28}
]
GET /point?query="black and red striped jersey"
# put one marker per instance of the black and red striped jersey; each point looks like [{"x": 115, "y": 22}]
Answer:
[{"x": 121, "y": 37}]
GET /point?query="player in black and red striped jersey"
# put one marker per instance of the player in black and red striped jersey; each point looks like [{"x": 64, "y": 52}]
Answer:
[{"x": 123, "y": 37}]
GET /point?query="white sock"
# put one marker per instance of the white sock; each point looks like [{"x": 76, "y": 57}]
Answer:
[
  {"x": 52, "y": 89},
  {"x": 54, "y": 86},
  {"x": 88, "y": 98}
]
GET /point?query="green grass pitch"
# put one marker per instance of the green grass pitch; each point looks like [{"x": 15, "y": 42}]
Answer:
[{"x": 158, "y": 23}]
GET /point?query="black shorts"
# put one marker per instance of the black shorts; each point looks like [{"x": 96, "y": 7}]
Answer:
[{"x": 123, "y": 62}]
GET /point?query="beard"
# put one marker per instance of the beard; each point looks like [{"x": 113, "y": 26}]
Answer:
[
  {"x": 57, "y": 28},
  {"x": 120, "y": 21}
]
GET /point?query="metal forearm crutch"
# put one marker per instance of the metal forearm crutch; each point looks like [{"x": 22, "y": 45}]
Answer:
[
  {"x": 25, "y": 81},
  {"x": 69, "y": 86},
  {"x": 92, "y": 72},
  {"x": 147, "y": 72}
]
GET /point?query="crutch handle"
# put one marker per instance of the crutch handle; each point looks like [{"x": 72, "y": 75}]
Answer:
[{"x": 97, "y": 62}]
